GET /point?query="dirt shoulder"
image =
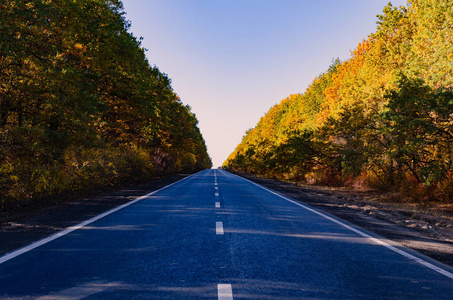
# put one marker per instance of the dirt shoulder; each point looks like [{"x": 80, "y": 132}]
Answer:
[
  {"x": 428, "y": 230},
  {"x": 22, "y": 226}
]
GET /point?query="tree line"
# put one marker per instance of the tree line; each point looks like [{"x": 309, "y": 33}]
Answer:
[
  {"x": 80, "y": 105},
  {"x": 381, "y": 119}
]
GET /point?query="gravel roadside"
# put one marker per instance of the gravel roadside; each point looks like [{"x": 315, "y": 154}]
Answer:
[{"x": 429, "y": 232}]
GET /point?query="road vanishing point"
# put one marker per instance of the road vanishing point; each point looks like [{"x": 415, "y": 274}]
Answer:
[{"x": 214, "y": 235}]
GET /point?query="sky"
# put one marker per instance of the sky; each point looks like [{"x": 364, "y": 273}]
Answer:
[{"x": 232, "y": 60}]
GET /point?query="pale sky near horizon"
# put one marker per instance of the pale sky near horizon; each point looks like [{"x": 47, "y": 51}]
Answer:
[{"x": 232, "y": 60}]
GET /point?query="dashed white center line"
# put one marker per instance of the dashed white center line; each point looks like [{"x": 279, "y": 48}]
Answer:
[
  {"x": 224, "y": 292},
  {"x": 219, "y": 228}
]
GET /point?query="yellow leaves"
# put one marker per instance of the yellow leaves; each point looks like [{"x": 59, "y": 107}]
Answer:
[
  {"x": 80, "y": 47},
  {"x": 357, "y": 80},
  {"x": 362, "y": 48}
]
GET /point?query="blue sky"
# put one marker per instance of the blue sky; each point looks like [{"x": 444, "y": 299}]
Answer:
[{"x": 232, "y": 60}]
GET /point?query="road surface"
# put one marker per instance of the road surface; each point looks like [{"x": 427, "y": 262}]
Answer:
[{"x": 214, "y": 235}]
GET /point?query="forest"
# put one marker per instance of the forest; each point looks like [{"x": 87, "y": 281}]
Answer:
[
  {"x": 383, "y": 119},
  {"x": 80, "y": 105}
]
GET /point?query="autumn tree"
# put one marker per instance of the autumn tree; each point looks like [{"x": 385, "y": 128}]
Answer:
[
  {"x": 80, "y": 105},
  {"x": 382, "y": 117}
]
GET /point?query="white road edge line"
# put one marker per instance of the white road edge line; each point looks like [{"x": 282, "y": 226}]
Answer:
[
  {"x": 219, "y": 228},
  {"x": 64, "y": 232},
  {"x": 224, "y": 292},
  {"x": 217, "y": 205},
  {"x": 373, "y": 239}
]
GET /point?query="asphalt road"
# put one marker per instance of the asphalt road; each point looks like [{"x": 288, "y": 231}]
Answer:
[{"x": 214, "y": 235}]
